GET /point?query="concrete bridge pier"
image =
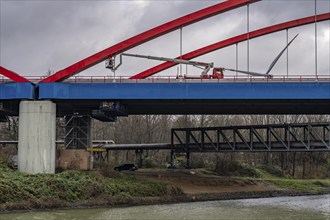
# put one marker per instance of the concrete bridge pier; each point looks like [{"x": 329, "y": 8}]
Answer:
[{"x": 36, "y": 137}]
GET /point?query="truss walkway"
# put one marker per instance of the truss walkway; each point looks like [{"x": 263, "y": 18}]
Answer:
[{"x": 255, "y": 138}]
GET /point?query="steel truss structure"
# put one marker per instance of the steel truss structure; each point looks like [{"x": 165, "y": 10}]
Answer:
[
  {"x": 253, "y": 138},
  {"x": 77, "y": 132}
]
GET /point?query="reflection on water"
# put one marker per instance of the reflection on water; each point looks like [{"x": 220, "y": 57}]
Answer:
[{"x": 301, "y": 207}]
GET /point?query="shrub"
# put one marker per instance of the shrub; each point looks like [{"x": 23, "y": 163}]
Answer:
[
  {"x": 231, "y": 167},
  {"x": 273, "y": 170},
  {"x": 150, "y": 163}
]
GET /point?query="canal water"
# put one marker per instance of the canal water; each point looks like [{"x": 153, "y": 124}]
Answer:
[{"x": 301, "y": 207}]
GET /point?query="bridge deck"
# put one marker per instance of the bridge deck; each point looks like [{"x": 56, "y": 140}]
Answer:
[
  {"x": 187, "y": 97},
  {"x": 193, "y": 98}
]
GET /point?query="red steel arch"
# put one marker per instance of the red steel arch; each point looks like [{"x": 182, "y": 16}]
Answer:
[
  {"x": 146, "y": 36},
  {"x": 12, "y": 75},
  {"x": 233, "y": 40}
]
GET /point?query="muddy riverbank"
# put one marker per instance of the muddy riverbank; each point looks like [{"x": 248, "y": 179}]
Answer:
[{"x": 76, "y": 189}]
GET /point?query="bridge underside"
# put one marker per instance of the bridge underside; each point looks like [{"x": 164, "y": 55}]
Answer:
[{"x": 221, "y": 106}]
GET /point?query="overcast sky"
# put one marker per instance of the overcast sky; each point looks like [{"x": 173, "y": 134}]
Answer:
[{"x": 38, "y": 35}]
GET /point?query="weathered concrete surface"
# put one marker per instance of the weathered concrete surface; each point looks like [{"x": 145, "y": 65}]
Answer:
[
  {"x": 36, "y": 138},
  {"x": 74, "y": 159}
]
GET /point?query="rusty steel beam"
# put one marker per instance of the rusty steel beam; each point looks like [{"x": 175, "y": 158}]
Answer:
[
  {"x": 232, "y": 41},
  {"x": 146, "y": 36},
  {"x": 12, "y": 75}
]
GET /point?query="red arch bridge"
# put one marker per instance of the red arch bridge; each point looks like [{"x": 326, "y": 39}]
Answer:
[{"x": 38, "y": 100}]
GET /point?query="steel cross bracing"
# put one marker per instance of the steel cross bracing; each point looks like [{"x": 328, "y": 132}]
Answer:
[
  {"x": 77, "y": 132},
  {"x": 253, "y": 138}
]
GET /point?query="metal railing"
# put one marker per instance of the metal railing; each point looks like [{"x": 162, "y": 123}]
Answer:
[{"x": 173, "y": 79}]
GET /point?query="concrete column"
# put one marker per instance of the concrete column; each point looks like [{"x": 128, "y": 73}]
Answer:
[{"x": 36, "y": 137}]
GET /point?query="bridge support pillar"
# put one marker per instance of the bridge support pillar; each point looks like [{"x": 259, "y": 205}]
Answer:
[{"x": 36, "y": 137}]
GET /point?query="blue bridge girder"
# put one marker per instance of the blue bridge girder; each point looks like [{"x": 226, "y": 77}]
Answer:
[
  {"x": 18, "y": 91},
  {"x": 176, "y": 97},
  {"x": 193, "y": 97},
  {"x": 10, "y": 96}
]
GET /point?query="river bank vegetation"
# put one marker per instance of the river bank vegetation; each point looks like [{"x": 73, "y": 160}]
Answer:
[
  {"x": 103, "y": 187},
  {"x": 298, "y": 172},
  {"x": 157, "y": 129},
  {"x": 75, "y": 188}
]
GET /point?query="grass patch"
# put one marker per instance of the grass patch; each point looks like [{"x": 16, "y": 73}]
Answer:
[
  {"x": 70, "y": 187},
  {"x": 301, "y": 185}
]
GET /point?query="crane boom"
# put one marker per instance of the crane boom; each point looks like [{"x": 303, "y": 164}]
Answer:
[
  {"x": 217, "y": 72},
  {"x": 180, "y": 61}
]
